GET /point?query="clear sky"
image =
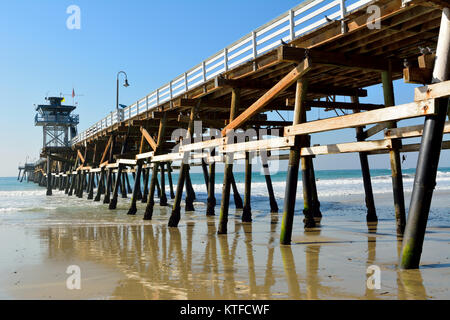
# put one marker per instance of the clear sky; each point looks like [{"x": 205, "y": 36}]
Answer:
[{"x": 153, "y": 41}]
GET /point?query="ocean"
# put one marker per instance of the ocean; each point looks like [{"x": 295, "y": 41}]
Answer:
[{"x": 333, "y": 187}]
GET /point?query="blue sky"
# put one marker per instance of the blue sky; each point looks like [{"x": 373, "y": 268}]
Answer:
[{"x": 153, "y": 41}]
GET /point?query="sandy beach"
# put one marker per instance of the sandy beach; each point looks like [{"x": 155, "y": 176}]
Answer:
[{"x": 124, "y": 257}]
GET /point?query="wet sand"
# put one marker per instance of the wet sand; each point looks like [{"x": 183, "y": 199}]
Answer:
[{"x": 124, "y": 257}]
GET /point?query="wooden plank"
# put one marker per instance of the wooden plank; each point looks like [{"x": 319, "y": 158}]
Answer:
[
  {"x": 96, "y": 170},
  {"x": 202, "y": 145},
  {"x": 350, "y": 60},
  {"x": 414, "y": 147},
  {"x": 266, "y": 144},
  {"x": 148, "y": 138},
  {"x": 127, "y": 161},
  {"x": 284, "y": 83},
  {"x": 432, "y": 91},
  {"x": 410, "y": 110},
  {"x": 144, "y": 155},
  {"x": 168, "y": 157},
  {"x": 360, "y": 146},
  {"x": 411, "y": 131},
  {"x": 112, "y": 165}
]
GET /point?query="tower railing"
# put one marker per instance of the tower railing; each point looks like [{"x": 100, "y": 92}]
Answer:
[{"x": 303, "y": 18}]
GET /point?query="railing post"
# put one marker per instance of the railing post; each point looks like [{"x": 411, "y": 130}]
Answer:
[
  {"x": 204, "y": 71},
  {"x": 291, "y": 24},
  {"x": 146, "y": 103},
  {"x": 170, "y": 90},
  {"x": 185, "y": 82},
  {"x": 343, "y": 13},
  {"x": 254, "y": 44},
  {"x": 225, "y": 59},
  {"x": 157, "y": 97}
]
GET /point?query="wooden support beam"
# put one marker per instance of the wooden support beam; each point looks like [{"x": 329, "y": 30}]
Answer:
[
  {"x": 411, "y": 131},
  {"x": 300, "y": 70},
  {"x": 410, "y": 110},
  {"x": 256, "y": 145},
  {"x": 148, "y": 138},
  {"x": 146, "y": 155},
  {"x": 432, "y": 91},
  {"x": 202, "y": 145},
  {"x": 417, "y": 75},
  {"x": 350, "y": 60},
  {"x": 105, "y": 152},
  {"x": 349, "y": 147}
]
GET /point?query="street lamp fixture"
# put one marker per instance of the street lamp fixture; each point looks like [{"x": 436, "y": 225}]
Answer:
[{"x": 126, "y": 84}]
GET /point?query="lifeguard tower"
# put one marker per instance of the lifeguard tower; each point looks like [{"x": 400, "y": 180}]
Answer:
[{"x": 59, "y": 126}]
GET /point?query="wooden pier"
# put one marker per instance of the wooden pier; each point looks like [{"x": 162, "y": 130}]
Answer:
[{"x": 300, "y": 61}]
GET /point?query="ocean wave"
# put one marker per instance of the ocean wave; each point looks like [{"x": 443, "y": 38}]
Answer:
[
  {"x": 21, "y": 193},
  {"x": 2, "y": 210}
]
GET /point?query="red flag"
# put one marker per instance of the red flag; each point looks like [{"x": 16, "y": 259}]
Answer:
[{"x": 73, "y": 93}]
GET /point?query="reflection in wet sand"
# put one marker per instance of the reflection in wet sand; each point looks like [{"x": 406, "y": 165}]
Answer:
[{"x": 193, "y": 262}]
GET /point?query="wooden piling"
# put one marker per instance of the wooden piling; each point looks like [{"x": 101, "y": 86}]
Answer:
[
  {"x": 146, "y": 173},
  {"x": 151, "y": 202},
  {"x": 371, "y": 215},
  {"x": 113, "y": 202},
  {"x": 91, "y": 186},
  {"x": 72, "y": 185},
  {"x": 101, "y": 184},
  {"x": 163, "y": 197},
  {"x": 315, "y": 198},
  {"x": 175, "y": 215},
  {"x": 272, "y": 200},
  {"x": 151, "y": 194},
  {"x": 211, "y": 201},
  {"x": 49, "y": 177},
  {"x": 133, "y": 208},
  {"x": 129, "y": 190},
  {"x": 394, "y": 156},
  {"x": 123, "y": 186},
  {"x": 67, "y": 186},
  {"x": 247, "y": 210},
  {"x": 169, "y": 176},
  {"x": 205, "y": 173},
  {"x": 308, "y": 205},
  {"x": 158, "y": 187},
  {"x": 293, "y": 166},
  {"x": 107, "y": 197},
  {"x": 190, "y": 194},
  {"x": 428, "y": 160},
  {"x": 236, "y": 196},
  {"x": 228, "y": 171}
]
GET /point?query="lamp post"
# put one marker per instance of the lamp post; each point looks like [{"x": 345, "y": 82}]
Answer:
[{"x": 126, "y": 84}]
